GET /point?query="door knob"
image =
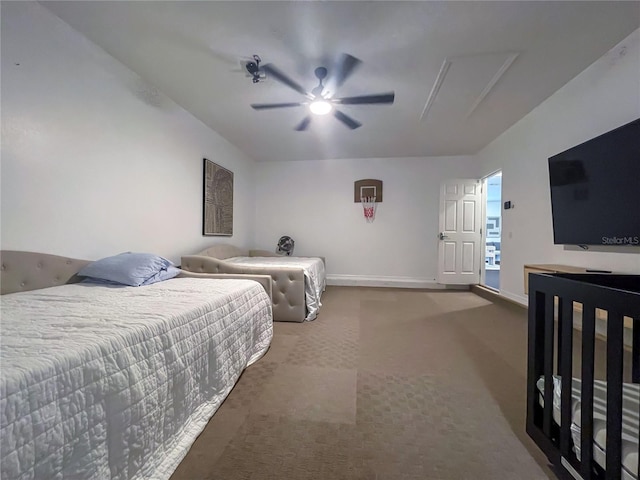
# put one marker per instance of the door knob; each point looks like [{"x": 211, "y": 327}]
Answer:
[{"x": 442, "y": 236}]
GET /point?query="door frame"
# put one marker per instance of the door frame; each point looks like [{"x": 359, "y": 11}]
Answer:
[
  {"x": 483, "y": 231},
  {"x": 483, "y": 237}
]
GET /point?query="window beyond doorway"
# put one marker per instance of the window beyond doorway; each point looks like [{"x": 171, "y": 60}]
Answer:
[{"x": 493, "y": 214}]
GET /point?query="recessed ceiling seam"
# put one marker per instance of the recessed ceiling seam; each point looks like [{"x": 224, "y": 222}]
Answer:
[
  {"x": 507, "y": 63},
  {"x": 436, "y": 87}
]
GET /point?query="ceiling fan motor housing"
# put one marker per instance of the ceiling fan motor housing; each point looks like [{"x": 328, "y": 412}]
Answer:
[
  {"x": 253, "y": 67},
  {"x": 317, "y": 97},
  {"x": 321, "y": 73}
]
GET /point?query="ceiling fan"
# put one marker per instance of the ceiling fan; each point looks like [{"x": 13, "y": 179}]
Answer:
[{"x": 320, "y": 99}]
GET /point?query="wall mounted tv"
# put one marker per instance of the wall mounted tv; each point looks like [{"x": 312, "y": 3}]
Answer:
[{"x": 595, "y": 190}]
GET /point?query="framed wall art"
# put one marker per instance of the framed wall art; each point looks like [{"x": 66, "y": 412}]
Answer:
[{"x": 217, "y": 208}]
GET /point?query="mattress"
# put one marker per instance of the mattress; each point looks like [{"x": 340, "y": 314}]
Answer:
[
  {"x": 102, "y": 382},
  {"x": 314, "y": 276},
  {"x": 630, "y": 420}
]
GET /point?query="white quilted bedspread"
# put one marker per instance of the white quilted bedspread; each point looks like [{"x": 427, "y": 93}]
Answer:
[
  {"x": 314, "y": 276},
  {"x": 105, "y": 382}
]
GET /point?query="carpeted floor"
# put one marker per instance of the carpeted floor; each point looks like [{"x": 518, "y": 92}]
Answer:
[{"x": 385, "y": 384}]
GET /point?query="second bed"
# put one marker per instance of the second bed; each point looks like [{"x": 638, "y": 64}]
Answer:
[{"x": 298, "y": 282}]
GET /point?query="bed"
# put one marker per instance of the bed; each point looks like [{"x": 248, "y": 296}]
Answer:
[
  {"x": 586, "y": 426},
  {"x": 298, "y": 282},
  {"x": 104, "y": 382}
]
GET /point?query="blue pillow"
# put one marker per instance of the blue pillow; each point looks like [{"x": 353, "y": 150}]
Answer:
[
  {"x": 132, "y": 269},
  {"x": 163, "y": 275}
]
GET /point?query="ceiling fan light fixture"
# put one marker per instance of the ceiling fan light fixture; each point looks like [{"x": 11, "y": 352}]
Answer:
[
  {"x": 320, "y": 107},
  {"x": 320, "y": 99}
]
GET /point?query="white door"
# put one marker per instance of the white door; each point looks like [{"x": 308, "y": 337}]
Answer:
[{"x": 459, "y": 255}]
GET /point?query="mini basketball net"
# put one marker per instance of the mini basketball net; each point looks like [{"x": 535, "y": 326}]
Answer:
[
  {"x": 369, "y": 193},
  {"x": 369, "y": 207}
]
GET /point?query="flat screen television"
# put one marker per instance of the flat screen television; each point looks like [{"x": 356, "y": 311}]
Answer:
[{"x": 595, "y": 190}]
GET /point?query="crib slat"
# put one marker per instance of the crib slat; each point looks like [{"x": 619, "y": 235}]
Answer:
[
  {"x": 547, "y": 414},
  {"x": 635, "y": 352},
  {"x": 565, "y": 368},
  {"x": 586, "y": 395},
  {"x": 635, "y": 357},
  {"x": 614, "y": 393},
  {"x": 535, "y": 356}
]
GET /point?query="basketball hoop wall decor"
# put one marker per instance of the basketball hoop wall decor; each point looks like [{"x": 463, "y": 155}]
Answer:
[{"x": 368, "y": 192}]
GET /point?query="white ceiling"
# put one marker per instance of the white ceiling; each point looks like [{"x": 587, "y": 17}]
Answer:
[{"x": 462, "y": 72}]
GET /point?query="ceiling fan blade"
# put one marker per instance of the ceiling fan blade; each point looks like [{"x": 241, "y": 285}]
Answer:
[
  {"x": 281, "y": 77},
  {"x": 344, "y": 67},
  {"x": 365, "y": 99},
  {"x": 303, "y": 124},
  {"x": 264, "y": 106},
  {"x": 347, "y": 120}
]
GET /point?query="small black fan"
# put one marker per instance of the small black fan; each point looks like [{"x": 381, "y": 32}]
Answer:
[
  {"x": 321, "y": 99},
  {"x": 285, "y": 246}
]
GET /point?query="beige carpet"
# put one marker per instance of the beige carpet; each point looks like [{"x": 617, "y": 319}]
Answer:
[{"x": 385, "y": 384}]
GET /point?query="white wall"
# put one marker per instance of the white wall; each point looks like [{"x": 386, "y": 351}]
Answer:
[
  {"x": 604, "y": 96},
  {"x": 95, "y": 161},
  {"x": 313, "y": 202}
]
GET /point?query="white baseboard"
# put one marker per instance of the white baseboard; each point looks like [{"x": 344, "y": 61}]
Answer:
[
  {"x": 395, "y": 282},
  {"x": 521, "y": 299}
]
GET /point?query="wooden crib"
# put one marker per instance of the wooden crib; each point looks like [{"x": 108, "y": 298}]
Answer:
[{"x": 555, "y": 301}]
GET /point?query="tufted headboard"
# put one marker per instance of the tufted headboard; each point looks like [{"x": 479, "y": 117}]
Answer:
[
  {"x": 222, "y": 251},
  {"x": 23, "y": 271}
]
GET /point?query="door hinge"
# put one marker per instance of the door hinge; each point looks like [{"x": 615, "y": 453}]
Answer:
[{"x": 481, "y": 231}]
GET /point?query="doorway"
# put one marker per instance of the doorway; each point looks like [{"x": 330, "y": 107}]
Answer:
[
  {"x": 460, "y": 247},
  {"x": 493, "y": 230}
]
